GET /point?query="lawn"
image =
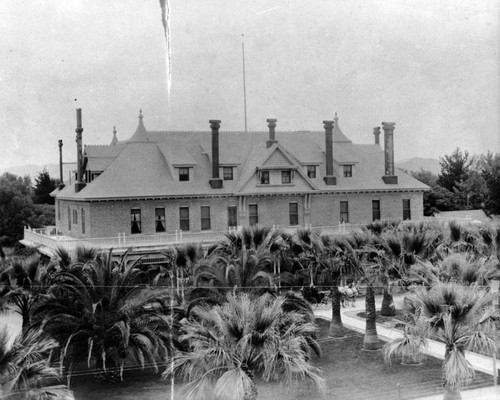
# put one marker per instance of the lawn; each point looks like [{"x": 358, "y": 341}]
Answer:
[{"x": 349, "y": 372}]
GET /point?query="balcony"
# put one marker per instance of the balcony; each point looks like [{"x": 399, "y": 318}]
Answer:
[{"x": 49, "y": 239}]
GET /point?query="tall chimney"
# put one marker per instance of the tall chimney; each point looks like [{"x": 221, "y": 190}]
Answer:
[
  {"x": 329, "y": 178},
  {"x": 389, "y": 177},
  {"x": 215, "y": 182},
  {"x": 271, "y": 124},
  {"x": 376, "y": 133},
  {"x": 80, "y": 184},
  {"x": 61, "y": 181}
]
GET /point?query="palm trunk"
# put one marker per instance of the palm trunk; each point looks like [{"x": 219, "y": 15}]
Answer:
[
  {"x": 449, "y": 393},
  {"x": 251, "y": 393},
  {"x": 388, "y": 308},
  {"x": 371, "y": 340},
  {"x": 336, "y": 326}
]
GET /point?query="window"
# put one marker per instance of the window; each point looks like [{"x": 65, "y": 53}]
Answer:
[
  {"x": 183, "y": 174},
  {"x": 232, "y": 216},
  {"x": 344, "y": 212},
  {"x": 347, "y": 171},
  {"x": 227, "y": 173},
  {"x": 160, "y": 220},
  {"x": 83, "y": 221},
  {"x": 375, "y": 210},
  {"x": 58, "y": 210},
  {"x": 205, "y": 218},
  {"x": 286, "y": 176},
  {"x": 406, "y": 209},
  {"x": 253, "y": 214},
  {"x": 135, "y": 220},
  {"x": 311, "y": 171},
  {"x": 294, "y": 213},
  {"x": 69, "y": 219},
  {"x": 184, "y": 218},
  {"x": 264, "y": 177},
  {"x": 75, "y": 217}
]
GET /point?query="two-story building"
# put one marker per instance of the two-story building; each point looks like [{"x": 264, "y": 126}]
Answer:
[{"x": 159, "y": 183}]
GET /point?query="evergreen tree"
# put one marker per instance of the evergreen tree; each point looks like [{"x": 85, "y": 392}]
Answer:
[
  {"x": 489, "y": 166},
  {"x": 455, "y": 169},
  {"x": 44, "y": 185}
]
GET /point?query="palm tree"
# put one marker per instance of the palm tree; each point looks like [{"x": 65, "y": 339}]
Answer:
[
  {"x": 230, "y": 344},
  {"x": 25, "y": 371},
  {"x": 104, "y": 317},
  {"x": 27, "y": 281},
  {"x": 460, "y": 317}
]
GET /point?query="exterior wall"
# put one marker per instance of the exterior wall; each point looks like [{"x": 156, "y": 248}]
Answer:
[
  {"x": 80, "y": 229},
  {"x": 106, "y": 219}
]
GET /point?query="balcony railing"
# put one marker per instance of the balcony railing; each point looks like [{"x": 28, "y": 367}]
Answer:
[{"x": 50, "y": 237}]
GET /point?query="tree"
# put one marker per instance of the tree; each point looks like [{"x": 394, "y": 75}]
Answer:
[
  {"x": 230, "y": 344},
  {"x": 455, "y": 168},
  {"x": 44, "y": 185},
  {"x": 460, "y": 317},
  {"x": 17, "y": 209},
  {"x": 473, "y": 191},
  {"x": 489, "y": 166},
  {"x": 425, "y": 176},
  {"x": 25, "y": 369},
  {"x": 102, "y": 315}
]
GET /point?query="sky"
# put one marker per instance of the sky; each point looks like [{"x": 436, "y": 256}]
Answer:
[{"x": 430, "y": 66}]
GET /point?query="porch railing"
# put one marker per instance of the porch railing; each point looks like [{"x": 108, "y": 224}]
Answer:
[{"x": 50, "y": 237}]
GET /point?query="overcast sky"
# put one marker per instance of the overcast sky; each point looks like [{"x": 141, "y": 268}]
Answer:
[{"x": 430, "y": 66}]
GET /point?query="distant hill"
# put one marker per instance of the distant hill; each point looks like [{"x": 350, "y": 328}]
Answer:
[
  {"x": 417, "y": 163},
  {"x": 32, "y": 170}
]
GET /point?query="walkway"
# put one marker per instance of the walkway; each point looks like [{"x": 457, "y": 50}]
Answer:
[{"x": 434, "y": 349}]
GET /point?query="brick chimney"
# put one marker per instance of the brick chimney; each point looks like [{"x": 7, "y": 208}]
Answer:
[
  {"x": 376, "y": 133},
  {"x": 80, "y": 184},
  {"x": 389, "y": 177},
  {"x": 329, "y": 178},
  {"x": 215, "y": 182},
  {"x": 61, "y": 181},
  {"x": 271, "y": 123}
]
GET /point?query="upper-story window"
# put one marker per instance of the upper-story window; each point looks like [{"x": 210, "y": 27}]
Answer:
[
  {"x": 264, "y": 177},
  {"x": 183, "y": 174},
  {"x": 227, "y": 173},
  {"x": 311, "y": 171},
  {"x": 347, "y": 171},
  {"x": 286, "y": 176}
]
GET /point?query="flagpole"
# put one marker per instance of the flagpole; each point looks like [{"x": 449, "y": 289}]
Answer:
[{"x": 244, "y": 80}]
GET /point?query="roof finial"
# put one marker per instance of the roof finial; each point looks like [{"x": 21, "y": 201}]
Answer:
[
  {"x": 336, "y": 118},
  {"x": 114, "y": 130},
  {"x": 140, "y": 114}
]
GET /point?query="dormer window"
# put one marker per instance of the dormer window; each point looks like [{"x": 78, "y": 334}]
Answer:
[
  {"x": 347, "y": 171},
  {"x": 183, "y": 174},
  {"x": 227, "y": 173},
  {"x": 311, "y": 171},
  {"x": 286, "y": 176},
  {"x": 264, "y": 177}
]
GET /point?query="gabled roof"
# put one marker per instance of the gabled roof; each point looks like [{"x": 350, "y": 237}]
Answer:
[{"x": 145, "y": 165}]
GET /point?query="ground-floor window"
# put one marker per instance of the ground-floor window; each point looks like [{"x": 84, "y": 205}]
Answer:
[
  {"x": 294, "y": 213},
  {"x": 184, "y": 218},
  {"x": 75, "y": 217},
  {"x": 83, "y": 221},
  {"x": 253, "y": 214},
  {"x": 375, "y": 210},
  {"x": 135, "y": 220},
  {"x": 406, "y": 209},
  {"x": 160, "y": 219},
  {"x": 205, "y": 218},
  {"x": 69, "y": 219},
  {"x": 344, "y": 211},
  {"x": 232, "y": 216}
]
